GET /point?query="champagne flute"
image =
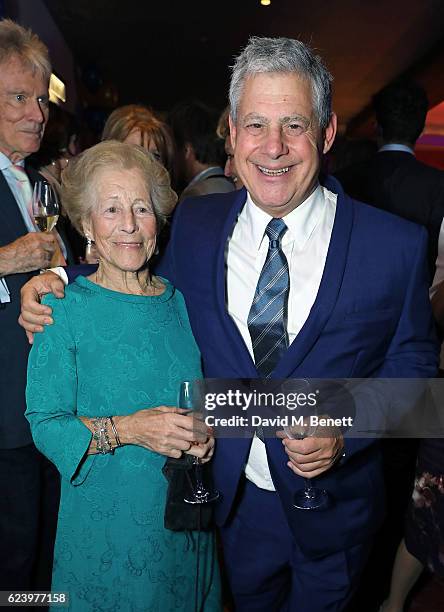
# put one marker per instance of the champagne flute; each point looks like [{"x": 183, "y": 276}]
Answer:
[
  {"x": 310, "y": 497},
  {"x": 199, "y": 493},
  {"x": 45, "y": 206}
]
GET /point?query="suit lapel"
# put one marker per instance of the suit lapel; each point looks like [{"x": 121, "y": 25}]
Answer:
[
  {"x": 11, "y": 219},
  {"x": 328, "y": 289},
  {"x": 232, "y": 333}
]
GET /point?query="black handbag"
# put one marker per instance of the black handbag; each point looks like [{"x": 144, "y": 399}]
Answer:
[{"x": 179, "y": 515}]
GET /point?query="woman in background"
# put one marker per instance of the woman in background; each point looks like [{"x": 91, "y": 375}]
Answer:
[{"x": 137, "y": 124}]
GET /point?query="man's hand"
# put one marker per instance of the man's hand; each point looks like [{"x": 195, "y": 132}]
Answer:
[
  {"x": 33, "y": 314},
  {"x": 315, "y": 454},
  {"x": 27, "y": 253}
]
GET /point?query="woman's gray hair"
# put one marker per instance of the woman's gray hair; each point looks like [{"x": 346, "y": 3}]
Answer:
[
  {"x": 79, "y": 180},
  {"x": 18, "y": 41},
  {"x": 282, "y": 55}
]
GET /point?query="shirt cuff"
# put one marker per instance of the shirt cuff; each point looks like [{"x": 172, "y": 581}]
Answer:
[{"x": 60, "y": 271}]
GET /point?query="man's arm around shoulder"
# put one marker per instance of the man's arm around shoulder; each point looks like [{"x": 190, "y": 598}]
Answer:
[{"x": 34, "y": 315}]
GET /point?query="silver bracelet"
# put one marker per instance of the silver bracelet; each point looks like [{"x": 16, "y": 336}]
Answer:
[
  {"x": 100, "y": 435},
  {"x": 114, "y": 428}
]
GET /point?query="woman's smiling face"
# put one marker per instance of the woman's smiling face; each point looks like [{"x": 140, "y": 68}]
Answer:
[{"x": 122, "y": 222}]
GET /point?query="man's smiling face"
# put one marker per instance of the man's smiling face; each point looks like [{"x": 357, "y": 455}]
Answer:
[{"x": 277, "y": 141}]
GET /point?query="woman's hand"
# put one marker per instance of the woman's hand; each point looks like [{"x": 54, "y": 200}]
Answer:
[
  {"x": 166, "y": 430},
  {"x": 203, "y": 450}
]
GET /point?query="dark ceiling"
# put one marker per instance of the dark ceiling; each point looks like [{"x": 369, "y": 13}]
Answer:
[{"x": 159, "y": 51}]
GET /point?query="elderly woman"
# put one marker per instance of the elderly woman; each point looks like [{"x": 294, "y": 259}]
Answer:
[{"x": 102, "y": 385}]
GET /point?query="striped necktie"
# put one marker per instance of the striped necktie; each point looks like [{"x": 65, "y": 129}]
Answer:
[
  {"x": 24, "y": 185},
  {"x": 267, "y": 320}
]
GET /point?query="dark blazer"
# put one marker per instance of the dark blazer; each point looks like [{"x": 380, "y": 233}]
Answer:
[
  {"x": 14, "y": 347},
  {"x": 371, "y": 318},
  {"x": 397, "y": 182}
]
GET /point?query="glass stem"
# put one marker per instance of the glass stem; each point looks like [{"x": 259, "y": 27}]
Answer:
[
  {"x": 308, "y": 487},
  {"x": 198, "y": 474}
]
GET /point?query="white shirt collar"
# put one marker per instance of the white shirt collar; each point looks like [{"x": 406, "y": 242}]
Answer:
[
  {"x": 300, "y": 222},
  {"x": 393, "y": 146},
  {"x": 5, "y": 162}
]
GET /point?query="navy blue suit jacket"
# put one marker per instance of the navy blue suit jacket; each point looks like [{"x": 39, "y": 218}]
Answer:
[{"x": 371, "y": 318}]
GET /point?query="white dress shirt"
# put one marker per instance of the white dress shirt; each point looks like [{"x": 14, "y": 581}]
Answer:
[{"x": 305, "y": 245}]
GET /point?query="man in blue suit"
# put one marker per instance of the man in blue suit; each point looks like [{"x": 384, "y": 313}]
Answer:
[{"x": 348, "y": 286}]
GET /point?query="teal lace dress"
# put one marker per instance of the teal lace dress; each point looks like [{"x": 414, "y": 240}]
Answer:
[{"x": 109, "y": 353}]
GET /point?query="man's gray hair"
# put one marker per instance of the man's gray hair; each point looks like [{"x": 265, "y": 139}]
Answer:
[
  {"x": 282, "y": 55},
  {"x": 16, "y": 40}
]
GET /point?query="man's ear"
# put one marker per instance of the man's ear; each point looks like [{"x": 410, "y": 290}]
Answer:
[
  {"x": 189, "y": 151},
  {"x": 330, "y": 133},
  {"x": 233, "y": 132}
]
